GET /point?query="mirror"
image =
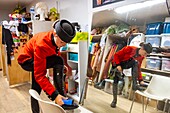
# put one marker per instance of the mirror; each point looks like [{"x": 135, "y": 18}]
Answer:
[{"x": 139, "y": 17}]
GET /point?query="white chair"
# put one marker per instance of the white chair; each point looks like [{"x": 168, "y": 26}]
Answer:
[
  {"x": 46, "y": 106},
  {"x": 158, "y": 89}
]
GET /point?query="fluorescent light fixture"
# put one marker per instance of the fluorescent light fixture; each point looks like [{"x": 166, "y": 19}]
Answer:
[{"x": 135, "y": 6}]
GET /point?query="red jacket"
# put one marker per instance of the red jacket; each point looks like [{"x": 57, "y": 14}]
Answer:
[
  {"x": 127, "y": 53},
  {"x": 39, "y": 47}
]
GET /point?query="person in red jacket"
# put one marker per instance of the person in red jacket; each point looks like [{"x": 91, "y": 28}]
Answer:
[
  {"x": 42, "y": 52},
  {"x": 129, "y": 57}
]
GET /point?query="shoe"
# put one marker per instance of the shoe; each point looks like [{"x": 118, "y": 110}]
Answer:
[
  {"x": 100, "y": 85},
  {"x": 69, "y": 107},
  {"x": 113, "y": 104}
]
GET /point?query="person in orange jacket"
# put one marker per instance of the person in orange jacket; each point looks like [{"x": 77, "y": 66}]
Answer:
[
  {"x": 129, "y": 57},
  {"x": 42, "y": 52}
]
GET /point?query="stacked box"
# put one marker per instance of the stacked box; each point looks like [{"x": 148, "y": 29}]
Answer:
[
  {"x": 154, "y": 41},
  {"x": 153, "y": 63},
  {"x": 165, "y": 64},
  {"x": 166, "y": 28},
  {"x": 154, "y": 28}
]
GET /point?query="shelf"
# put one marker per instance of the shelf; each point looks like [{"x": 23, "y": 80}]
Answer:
[
  {"x": 73, "y": 61},
  {"x": 168, "y": 34},
  {"x": 158, "y": 55},
  {"x": 153, "y": 36},
  {"x": 158, "y": 72},
  {"x": 74, "y": 96}
]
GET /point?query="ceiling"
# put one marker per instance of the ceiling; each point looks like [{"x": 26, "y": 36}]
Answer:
[
  {"x": 11, "y": 4},
  {"x": 138, "y": 17}
]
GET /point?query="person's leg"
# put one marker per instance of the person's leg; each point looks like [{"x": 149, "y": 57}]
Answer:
[
  {"x": 29, "y": 66},
  {"x": 135, "y": 75},
  {"x": 115, "y": 87},
  {"x": 57, "y": 63},
  {"x": 34, "y": 102}
]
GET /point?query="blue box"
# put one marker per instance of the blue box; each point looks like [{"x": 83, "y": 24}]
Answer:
[
  {"x": 154, "y": 28},
  {"x": 73, "y": 56},
  {"x": 166, "y": 28}
]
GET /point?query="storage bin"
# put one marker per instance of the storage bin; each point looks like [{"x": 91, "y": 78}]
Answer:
[
  {"x": 165, "y": 64},
  {"x": 166, "y": 28},
  {"x": 72, "y": 56},
  {"x": 154, "y": 28},
  {"x": 165, "y": 42},
  {"x": 154, "y": 41},
  {"x": 153, "y": 63}
]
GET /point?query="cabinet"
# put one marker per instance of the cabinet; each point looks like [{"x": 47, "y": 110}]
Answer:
[{"x": 77, "y": 60}]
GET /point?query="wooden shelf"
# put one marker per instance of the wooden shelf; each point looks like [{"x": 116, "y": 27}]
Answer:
[{"x": 158, "y": 72}]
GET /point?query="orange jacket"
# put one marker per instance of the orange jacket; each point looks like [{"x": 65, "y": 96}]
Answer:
[
  {"x": 39, "y": 47},
  {"x": 126, "y": 54}
]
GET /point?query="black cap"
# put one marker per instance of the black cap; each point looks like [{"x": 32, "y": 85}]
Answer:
[
  {"x": 147, "y": 47},
  {"x": 65, "y": 30}
]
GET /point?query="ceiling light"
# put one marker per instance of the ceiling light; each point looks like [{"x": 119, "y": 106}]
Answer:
[{"x": 135, "y": 6}]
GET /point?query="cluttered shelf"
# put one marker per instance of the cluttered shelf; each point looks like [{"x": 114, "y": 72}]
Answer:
[{"x": 153, "y": 71}]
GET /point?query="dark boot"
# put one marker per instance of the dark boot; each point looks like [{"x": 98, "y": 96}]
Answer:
[
  {"x": 114, "y": 102},
  {"x": 135, "y": 75},
  {"x": 58, "y": 78}
]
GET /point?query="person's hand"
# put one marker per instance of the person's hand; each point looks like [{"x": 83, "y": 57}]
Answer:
[
  {"x": 65, "y": 69},
  {"x": 119, "y": 68},
  {"x": 142, "y": 83},
  {"x": 59, "y": 99}
]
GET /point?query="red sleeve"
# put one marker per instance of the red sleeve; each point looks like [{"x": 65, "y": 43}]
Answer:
[
  {"x": 118, "y": 55},
  {"x": 40, "y": 70}
]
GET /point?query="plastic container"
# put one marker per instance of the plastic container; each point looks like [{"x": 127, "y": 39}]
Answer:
[
  {"x": 73, "y": 56},
  {"x": 154, "y": 28},
  {"x": 166, "y": 28},
  {"x": 165, "y": 42},
  {"x": 153, "y": 63},
  {"x": 154, "y": 41},
  {"x": 165, "y": 64}
]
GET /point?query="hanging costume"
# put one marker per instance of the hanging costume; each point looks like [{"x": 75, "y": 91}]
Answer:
[{"x": 7, "y": 39}]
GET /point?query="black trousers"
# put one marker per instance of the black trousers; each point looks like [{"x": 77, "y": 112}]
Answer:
[{"x": 29, "y": 66}]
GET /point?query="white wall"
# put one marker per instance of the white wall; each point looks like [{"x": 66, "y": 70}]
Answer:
[
  {"x": 50, "y": 3},
  {"x": 4, "y": 15},
  {"x": 75, "y": 11}
]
